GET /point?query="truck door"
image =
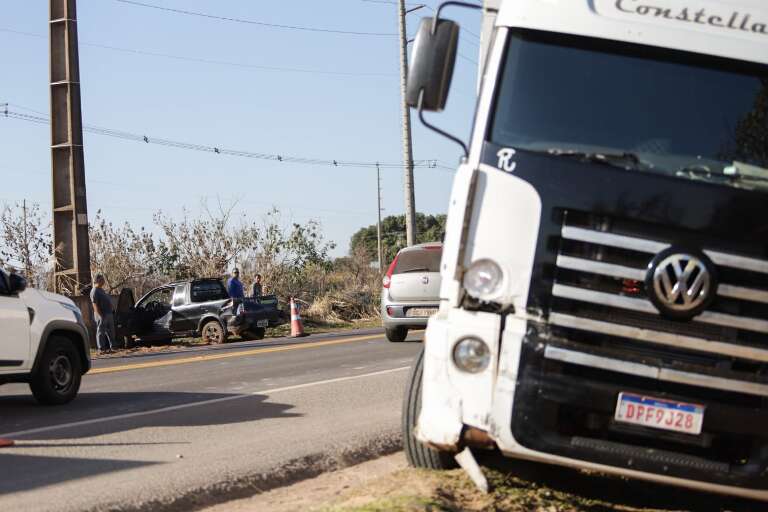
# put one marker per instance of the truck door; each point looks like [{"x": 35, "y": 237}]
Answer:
[
  {"x": 152, "y": 315},
  {"x": 14, "y": 335},
  {"x": 186, "y": 314}
]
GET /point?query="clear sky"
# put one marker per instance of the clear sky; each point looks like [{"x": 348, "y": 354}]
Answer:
[{"x": 242, "y": 107}]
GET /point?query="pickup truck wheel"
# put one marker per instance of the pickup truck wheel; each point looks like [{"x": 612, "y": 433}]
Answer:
[
  {"x": 57, "y": 378},
  {"x": 213, "y": 333},
  {"x": 418, "y": 454},
  {"x": 396, "y": 334}
]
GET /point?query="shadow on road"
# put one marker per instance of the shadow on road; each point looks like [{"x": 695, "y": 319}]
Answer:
[
  {"x": 95, "y": 414},
  {"x": 620, "y": 492},
  {"x": 32, "y": 471}
]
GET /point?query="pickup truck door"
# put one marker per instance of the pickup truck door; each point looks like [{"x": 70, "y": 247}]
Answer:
[
  {"x": 186, "y": 315},
  {"x": 125, "y": 323},
  {"x": 152, "y": 315},
  {"x": 205, "y": 298},
  {"x": 14, "y": 335}
]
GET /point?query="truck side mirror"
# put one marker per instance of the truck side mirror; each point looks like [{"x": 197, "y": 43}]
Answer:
[
  {"x": 16, "y": 283},
  {"x": 432, "y": 61}
]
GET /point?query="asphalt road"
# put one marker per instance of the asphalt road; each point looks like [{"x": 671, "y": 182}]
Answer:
[{"x": 205, "y": 424}]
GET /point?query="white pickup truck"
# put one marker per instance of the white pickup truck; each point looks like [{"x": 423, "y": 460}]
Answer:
[{"x": 43, "y": 341}]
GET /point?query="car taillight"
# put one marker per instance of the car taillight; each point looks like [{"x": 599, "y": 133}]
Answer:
[{"x": 388, "y": 277}]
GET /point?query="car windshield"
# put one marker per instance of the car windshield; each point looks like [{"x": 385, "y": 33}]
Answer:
[{"x": 638, "y": 107}]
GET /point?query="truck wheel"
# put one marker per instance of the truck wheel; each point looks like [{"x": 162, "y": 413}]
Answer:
[
  {"x": 396, "y": 334},
  {"x": 57, "y": 378},
  {"x": 418, "y": 454},
  {"x": 213, "y": 332}
]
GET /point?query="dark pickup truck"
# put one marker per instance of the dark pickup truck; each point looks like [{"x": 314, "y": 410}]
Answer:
[{"x": 199, "y": 307}]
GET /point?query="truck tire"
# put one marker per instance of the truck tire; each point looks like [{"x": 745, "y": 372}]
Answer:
[
  {"x": 213, "y": 332},
  {"x": 57, "y": 378},
  {"x": 418, "y": 454},
  {"x": 396, "y": 334}
]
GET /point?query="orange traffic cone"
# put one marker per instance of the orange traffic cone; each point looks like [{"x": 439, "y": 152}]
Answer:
[
  {"x": 297, "y": 327},
  {"x": 6, "y": 442}
]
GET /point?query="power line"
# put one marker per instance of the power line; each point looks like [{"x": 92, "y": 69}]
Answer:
[
  {"x": 392, "y": 2},
  {"x": 120, "y": 134},
  {"x": 208, "y": 61},
  {"x": 254, "y": 22}
]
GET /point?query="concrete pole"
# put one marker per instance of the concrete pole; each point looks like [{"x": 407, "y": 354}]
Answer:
[
  {"x": 410, "y": 201},
  {"x": 378, "y": 212},
  {"x": 72, "y": 272}
]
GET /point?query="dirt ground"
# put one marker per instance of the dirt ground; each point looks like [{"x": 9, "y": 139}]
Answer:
[{"x": 387, "y": 484}]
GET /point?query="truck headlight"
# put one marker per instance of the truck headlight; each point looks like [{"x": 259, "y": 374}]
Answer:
[
  {"x": 483, "y": 279},
  {"x": 471, "y": 355}
]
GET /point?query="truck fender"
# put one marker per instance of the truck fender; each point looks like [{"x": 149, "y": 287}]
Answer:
[{"x": 71, "y": 330}]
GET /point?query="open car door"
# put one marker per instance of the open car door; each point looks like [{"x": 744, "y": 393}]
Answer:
[{"x": 125, "y": 316}]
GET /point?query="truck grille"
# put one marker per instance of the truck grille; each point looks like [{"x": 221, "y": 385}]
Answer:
[{"x": 601, "y": 310}]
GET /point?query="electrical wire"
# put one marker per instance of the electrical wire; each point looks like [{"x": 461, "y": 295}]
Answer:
[
  {"x": 7, "y": 112},
  {"x": 208, "y": 61},
  {"x": 254, "y": 22}
]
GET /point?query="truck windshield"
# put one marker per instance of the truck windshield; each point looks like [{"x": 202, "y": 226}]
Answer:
[{"x": 686, "y": 115}]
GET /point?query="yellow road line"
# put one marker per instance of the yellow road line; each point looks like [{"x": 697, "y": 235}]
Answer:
[{"x": 227, "y": 355}]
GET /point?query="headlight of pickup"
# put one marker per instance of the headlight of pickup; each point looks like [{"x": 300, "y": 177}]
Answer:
[
  {"x": 483, "y": 280},
  {"x": 75, "y": 310}
]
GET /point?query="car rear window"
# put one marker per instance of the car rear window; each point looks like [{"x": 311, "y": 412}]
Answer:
[
  {"x": 208, "y": 291},
  {"x": 420, "y": 260}
]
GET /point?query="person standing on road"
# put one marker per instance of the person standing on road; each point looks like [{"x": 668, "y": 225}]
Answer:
[
  {"x": 258, "y": 291},
  {"x": 235, "y": 287},
  {"x": 236, "y": 291},
  {"x": 104, "y": 314}
]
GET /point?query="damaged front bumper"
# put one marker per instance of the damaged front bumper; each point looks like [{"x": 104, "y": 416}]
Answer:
[{"x": 459, "y": 409}]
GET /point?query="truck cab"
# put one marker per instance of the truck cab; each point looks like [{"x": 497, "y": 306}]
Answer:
[{"x": 604, "y": 299}]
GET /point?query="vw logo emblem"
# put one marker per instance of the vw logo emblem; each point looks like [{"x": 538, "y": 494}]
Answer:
[
  {"x": 681, "y": 284},
  {"x": 425, "y": 280}
]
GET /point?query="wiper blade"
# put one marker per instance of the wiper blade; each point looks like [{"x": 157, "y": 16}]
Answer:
[
  {"x": 417, "y": 269},
  {"x": 625, "y": 160}
]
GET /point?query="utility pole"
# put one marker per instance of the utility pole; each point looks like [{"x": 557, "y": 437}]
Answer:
[
  {"x": 25, "y": 242},
  {"x": 72, "y": 272},
  {"x": 410, "y": 201},
  {"x": 378, "y": 212}
]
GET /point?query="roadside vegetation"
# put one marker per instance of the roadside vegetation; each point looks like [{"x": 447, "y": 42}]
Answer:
[
  {"x": 293, "y": 258},
  {"x": 548, "y": 490}
]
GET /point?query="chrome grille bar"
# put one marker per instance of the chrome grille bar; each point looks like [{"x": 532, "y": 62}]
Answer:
[
  {"x": 653, "y": 247},
  {"x": 638, "y": 274},
  {"x": 645, "y": 306},
  {"x": 653, "y": 372},
  {"x": 658, "y": 337}
]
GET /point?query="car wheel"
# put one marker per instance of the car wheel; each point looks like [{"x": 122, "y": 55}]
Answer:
[
  {"x": 57, "y": 378},
  {"x": 418, "y": 454},
  {"x": 213, "y": 332},
  {"x": 396, "y": 334}
]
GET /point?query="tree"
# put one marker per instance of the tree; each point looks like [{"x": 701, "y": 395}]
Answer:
[
  {"x": 127, "y": 257},
  {"x": 292, "y": 258},
  {"x": 204, "y": 247},
  {"x": 430, "y": 228},
  {"x": 25, "y": 242}
]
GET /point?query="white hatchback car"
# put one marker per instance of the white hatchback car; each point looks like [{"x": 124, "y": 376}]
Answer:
[{"x": 411, "y": 292}]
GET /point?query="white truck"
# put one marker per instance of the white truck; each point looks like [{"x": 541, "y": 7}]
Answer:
[
  {"x": 43, "y": 341},
  {"x": 604, "y": 299}
]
